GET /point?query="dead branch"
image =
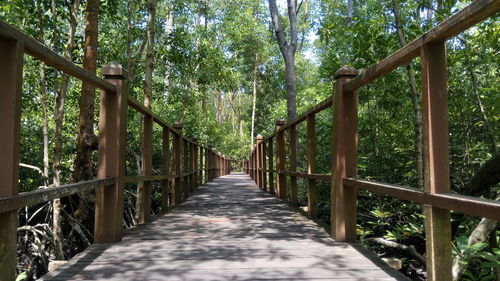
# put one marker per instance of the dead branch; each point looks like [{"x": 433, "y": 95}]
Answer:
[
  {"x": 407, "y": 249},
  {"x": 42, "y": 174}
]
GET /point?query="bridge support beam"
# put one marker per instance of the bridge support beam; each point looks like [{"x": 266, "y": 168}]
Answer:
[
  {"x": 11, "y": 77},
  {"x": 344, "y": 160}
]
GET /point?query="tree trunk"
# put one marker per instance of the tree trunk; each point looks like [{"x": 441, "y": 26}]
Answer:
[
  {"x": 86, "y": 139},
  {"x": 150, "y": 31},
  {"x": 287, "y": 51},
  {"x": 254, "y": 101},
  {"x": 44, "y": 101},
  {"x": 59, "y": 119},
  {"x": 291, "y": 91},
  {"x": 415, "y": 97},
  {"x": 148, "y": 79},
  {"x": 168, "y": 30},
  {"x": 218, "y": 115}
]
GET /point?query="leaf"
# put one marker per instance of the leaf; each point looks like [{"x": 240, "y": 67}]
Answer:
[{"x": 22, "y": 276}]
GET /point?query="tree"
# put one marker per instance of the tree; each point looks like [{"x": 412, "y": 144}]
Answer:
[
  {"x": 86, "y": 140},
  {"x": 287, "y": 50}
]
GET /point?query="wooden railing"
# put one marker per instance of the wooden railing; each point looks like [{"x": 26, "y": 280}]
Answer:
[
  {"x": 192, "y": 162},
  {"x": 436, "y": 196}
]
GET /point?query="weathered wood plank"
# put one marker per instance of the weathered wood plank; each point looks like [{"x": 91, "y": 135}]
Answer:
[
  {"x": 44, "y": 195},
  {"x": 473, "y": 206},
  {"x": 228, "y": 230},
  {"x": 11, "y": 81},
  {"x": 51, "y": 58}
]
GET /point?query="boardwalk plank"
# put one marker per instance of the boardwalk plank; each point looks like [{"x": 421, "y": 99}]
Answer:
[{"x": 228, "y": 230}]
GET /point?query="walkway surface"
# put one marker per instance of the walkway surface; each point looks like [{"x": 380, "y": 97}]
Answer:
[{"x": 228, "y": 230}]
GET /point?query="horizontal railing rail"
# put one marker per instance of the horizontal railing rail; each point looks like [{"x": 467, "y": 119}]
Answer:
[
  {"x": 266, "y": 163},
  {"x": 25, "y": 199}
]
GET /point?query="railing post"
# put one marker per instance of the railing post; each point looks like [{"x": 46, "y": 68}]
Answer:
[
  {"x": 207, "y": 164},
  {"x": 253, "y": 165},
  {"x": 200, "y": 165},
  {"x": 280, "y": 160},
  {"x": 293, "y": 164},
  {"x": 165, "y": 167},
  {"x": 311, "y": 165},
  {"x": 263, "y": 165},
  {"x": 147, "y": 170},
  {"x": 194, "y": 164},
  {"x": 224, "y": 164},
  {"x": 112, "y": 138},
  {"x": 212, "y": 164},
  {"x": 270, "y": 154},
  {"x": 344, "y": 161},
  {"x": 258, "y": 156},
  {"x": 11, "y": 77},
  {"x": 219, "y": 166},
  {"x": 177, "y": 162},
  {"x": 250, "y": 164},
  {"x": 436, "y": 161},
  {"x": 185, "y": 169}
]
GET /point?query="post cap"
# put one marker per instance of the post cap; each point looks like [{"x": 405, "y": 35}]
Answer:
[
  {"x": 259, "y": 137},
  {"x": 114, "y": 69},
  {"x": 195, "y": 139},
  {"x": 280, "y": 122},
  {"x": 178, "y": 125},
  {"x": 346, "y": 71}
]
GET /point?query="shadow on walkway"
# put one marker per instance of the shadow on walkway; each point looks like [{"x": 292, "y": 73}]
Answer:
[{"x": 228, "y": 230}]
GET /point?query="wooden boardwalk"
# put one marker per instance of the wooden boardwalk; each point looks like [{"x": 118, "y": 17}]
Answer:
[{"x": 228, "y": 230}]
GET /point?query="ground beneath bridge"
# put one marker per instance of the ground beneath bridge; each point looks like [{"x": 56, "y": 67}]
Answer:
[{"x": 228, "y": 230}]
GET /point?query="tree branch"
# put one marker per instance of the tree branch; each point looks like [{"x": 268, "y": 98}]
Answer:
[
  {"x": 278, "y": 28},
  {"x": 410, "y": 250}
]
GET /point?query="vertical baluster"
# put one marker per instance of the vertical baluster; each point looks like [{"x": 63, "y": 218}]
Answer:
[
  {"x": 293, "y": 164},
  {"x": 207, "y": 164},
  {"x": 270, "y": 154},
  {"x": 200, "y": 164},
  {"x": 165, "y": 167},
  {"x": 185, "y": 169},
  {"x": 192, "y": 165},
  {"x": 11, "y": 75},
  {"x": 345, "y": 143},
  {"x": 263, "y": 165},
  {"x": 177, "y": 162},
  {"x": 112, "y": 139},
  {"x": 311, "y": 165},
  {"x": 147, "y": 170},
  {"x": 258, "y": 155},
  {"x": 436, "y": 162},
  {"x": 281, "y": 160}
]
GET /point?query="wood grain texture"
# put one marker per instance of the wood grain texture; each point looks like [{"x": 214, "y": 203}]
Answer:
[{"x": 228, "y": 230}]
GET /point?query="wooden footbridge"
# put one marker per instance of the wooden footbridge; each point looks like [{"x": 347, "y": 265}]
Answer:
[{"x": 220, "y": 226}]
